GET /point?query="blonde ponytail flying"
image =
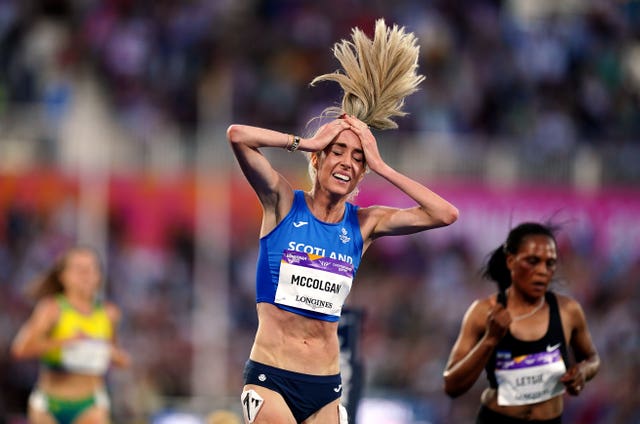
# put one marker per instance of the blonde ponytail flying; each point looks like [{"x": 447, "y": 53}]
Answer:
[{"x": 376, "y": 74}]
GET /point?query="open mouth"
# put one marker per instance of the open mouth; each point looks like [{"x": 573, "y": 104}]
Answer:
[{"x": 341, "y": 177}]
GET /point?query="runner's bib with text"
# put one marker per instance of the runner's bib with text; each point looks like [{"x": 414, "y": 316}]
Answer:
[
  {"x": 529, "y": 378},
  {"x": 86, "y": 356},
  {"x": 315, "y": 283}
]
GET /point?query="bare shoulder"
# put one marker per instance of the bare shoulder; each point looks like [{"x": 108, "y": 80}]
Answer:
[
  {"x": 45, "y": 313},
  {"x": 373, "y": 213},
  {"x": 113, "y": 311},
  {"x": 484, "y": 304},
  {"x": 478, "y": 310},
  {"x": 370, "y": 216},
  {"x": 47, "y": 307},
  {"x": 570, "y": 307},
  {"x": 567, "y": 303}
]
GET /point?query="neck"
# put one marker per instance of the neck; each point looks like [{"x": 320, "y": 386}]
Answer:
[
  {"x": 532, "y": 305},
  {"x": 80, "y": 302},
  {"x": 325, "y": 208},
  {"x": 517, "y": 298}
]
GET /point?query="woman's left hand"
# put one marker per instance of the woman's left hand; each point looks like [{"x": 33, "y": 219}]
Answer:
[
  {"x": 369, "y": 144},
  {"x": 574, "y": 380}
]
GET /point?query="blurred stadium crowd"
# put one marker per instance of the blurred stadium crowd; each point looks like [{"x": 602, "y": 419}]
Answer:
[{"x": 549, "y": 78}]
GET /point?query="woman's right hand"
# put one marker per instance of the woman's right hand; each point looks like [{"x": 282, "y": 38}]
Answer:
[
  {"x": 498, "y": 322},
  {"x": 325, "y": 135}
]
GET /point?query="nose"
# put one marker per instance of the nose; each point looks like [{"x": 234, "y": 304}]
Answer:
[
  {"x": 346, "y": 162},
  {"x": 545, "y": 269}
]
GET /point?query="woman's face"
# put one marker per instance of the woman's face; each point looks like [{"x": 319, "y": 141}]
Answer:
[
  {"x": 341, "y": 165},
  {"x": 533, "y": 266},
  {"x": 81, "y": 273}
]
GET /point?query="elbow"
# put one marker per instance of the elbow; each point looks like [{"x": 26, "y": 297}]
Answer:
[
  {"x": 237, "y": 134},
  {"x": 450, "y": 215},
  {"x": 452, "y": 392},
  {"x": 451, "y": 389},
  {"x": 18, "y": 353},
  {"x": 232, "y": 133}
]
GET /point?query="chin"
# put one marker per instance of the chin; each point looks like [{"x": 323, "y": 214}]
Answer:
[{"x": 341, "y": 190}]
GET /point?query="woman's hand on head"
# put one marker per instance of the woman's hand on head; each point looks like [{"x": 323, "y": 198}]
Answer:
[
  {"x": 369, "y": 144},
  {"x": 325, "y": 135}
]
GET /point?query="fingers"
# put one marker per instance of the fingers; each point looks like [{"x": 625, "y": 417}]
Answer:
[
  {"x": 330, "y": 130},
  {"x": 575, "y": 390},
  {"x": 573, "y": 381},
  {"x": 498, "y": 320},
  {"x": 496, "y": 307},
  {"x": 571, "y": 376},
  {"x": 357, "y": 125},
  {"x": 492, "y": 302},
  {"x": 340, "y": 124}
]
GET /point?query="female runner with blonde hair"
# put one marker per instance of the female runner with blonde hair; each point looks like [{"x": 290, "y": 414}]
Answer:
[
  {"x": 311, "y": 242},
  {"x": 73, "y": 334}
]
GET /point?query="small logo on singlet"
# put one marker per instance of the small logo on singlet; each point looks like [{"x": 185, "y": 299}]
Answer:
[
  {"x": 262, "y": 377},
  {"x": 300, "y": 224},
  {"x": 552, "y": 348},
  {"x": 343, "y": 237}
]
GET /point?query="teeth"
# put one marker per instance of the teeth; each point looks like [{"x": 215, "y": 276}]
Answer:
[{"x": 342, "y": 177}]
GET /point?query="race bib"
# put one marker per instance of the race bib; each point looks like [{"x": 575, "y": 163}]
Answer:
[
  {"x": 318, "y": 284},
  {"x": 86, "y": 356},
  {"x": 529, "y": 378}
]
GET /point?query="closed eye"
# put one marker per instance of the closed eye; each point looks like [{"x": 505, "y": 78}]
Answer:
[{"x": 358, "y": 157}]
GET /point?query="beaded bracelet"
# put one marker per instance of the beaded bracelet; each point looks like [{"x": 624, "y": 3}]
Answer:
[{"x": 294, "y": 146}]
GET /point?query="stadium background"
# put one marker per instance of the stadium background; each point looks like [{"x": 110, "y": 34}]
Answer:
[{"x": 112, "y": 132}]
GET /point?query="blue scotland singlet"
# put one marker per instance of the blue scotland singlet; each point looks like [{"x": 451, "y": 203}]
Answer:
[{"x": 307, "y": 266}]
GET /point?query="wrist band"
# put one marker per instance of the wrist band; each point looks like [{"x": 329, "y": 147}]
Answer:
[
  {"x": 289, "y": 141},
  {"x": 294, "y": 146}
]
